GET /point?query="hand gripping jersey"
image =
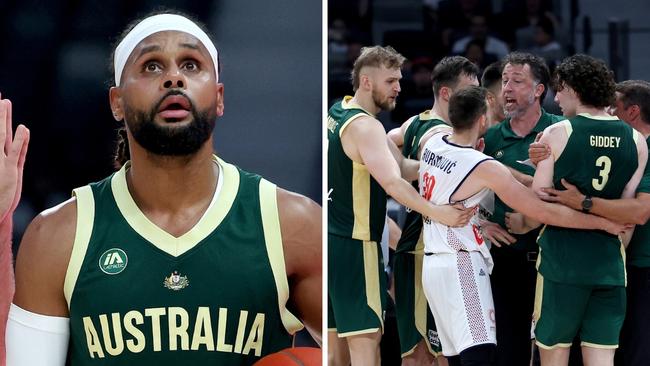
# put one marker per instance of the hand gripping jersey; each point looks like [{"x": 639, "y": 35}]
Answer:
[
  {"x": 444, "y": 166},
  {"x": 215, "y": 295}
]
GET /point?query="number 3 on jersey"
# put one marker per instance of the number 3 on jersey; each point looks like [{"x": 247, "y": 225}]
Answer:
[
  {"x": 605, "y": 165},
  {"x": 428, "y": 181}
]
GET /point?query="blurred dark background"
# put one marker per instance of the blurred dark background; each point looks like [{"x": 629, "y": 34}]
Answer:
[{"x": 54, "y": 66}]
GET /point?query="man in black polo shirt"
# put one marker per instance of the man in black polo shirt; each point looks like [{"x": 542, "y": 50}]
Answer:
[{"x": 525, "y": 79}]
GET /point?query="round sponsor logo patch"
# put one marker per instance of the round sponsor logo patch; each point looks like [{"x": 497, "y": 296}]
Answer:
[{"x": 113, "y": 261}]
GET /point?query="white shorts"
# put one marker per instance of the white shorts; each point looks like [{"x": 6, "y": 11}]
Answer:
[{"x": 457, "y": 287}]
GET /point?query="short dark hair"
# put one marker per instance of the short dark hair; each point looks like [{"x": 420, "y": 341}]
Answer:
[
  {"x": 538, "y": 68},
  {"x": 588, "y": 77},
  {"x": 492, "y": 75},
  {"x": 375, "y": 56},
  {"x": 466, "y": 106},
  {"x": 448, "y": 71},
  {"x": 636, "y": 92}
]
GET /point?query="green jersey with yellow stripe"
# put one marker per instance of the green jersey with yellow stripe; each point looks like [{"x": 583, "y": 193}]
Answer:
[
  {"x": 215, "y": 295},
  {"x": 412, "y": 228},
  {"x": 639, "y": 249},
  {"x": 600, "y": 158},
  {"x": 356, "y": 203}
]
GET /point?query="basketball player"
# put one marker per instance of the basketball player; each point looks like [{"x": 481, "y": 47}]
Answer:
[
  {"x": 632, "y": 105},
  {"x": 419, "y": 342},
  {"x": 362, "y": 170},
  {"x": 457, "y": 263},
  {"x": 604, "y": 158},
  {"x": 179, "y": 258},
  {"x": 12, "y": 161}
]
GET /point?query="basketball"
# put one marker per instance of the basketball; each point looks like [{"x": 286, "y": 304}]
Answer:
[{"x": 303, "y": 356}]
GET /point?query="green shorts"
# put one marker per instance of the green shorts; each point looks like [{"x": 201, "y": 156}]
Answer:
[
  {"x": 356, "y": 286},
  {"x": 414, "y": 319},
  {"x": 562, "y": 311}
]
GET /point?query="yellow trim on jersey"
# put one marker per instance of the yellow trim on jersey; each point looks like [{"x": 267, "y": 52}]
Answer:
[
  {"x": 420, "y": 301},
  {"x": 557, "y": 345},
  {"x": 347, "y": 104},
  {"x": 602, "y": 118},
  {"x": 409, "y": 352},
  {"x": 275, "y": 252},
  {"x": 360, "y": 201},
  {"x": 539, "y": 294},
  {"x": 176, "y": 246},
  {"x": 429, "y": 115},
  {"x": 567, "y": 127},
  {"x": 624, "y": 257},
  {"x": 635, "y": 135},
  {"x": 599, "y": 346},
  {"x": 358, "y": 332},
  {"x": 347, "y": 122},
  {"x": 372, "y": 273},
  {"x": 84, "y": 229}
]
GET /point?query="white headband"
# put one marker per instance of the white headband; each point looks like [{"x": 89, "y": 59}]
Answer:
[{"x": 155, "y": 24}]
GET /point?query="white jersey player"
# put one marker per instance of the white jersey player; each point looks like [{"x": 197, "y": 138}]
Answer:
[{"x": 457, "y": 261}]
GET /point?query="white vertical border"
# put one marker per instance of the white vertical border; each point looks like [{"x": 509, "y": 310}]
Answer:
[{"x": 324, "y": 108}]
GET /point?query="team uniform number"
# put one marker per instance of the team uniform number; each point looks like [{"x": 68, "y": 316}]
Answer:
[{"x": 605, "y": 165}]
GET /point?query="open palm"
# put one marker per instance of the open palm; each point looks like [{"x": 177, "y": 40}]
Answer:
[{"x": 12, "y": 160}]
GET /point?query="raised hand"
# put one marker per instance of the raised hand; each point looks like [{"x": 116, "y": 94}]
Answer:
[{"x": 12, "y": 160}]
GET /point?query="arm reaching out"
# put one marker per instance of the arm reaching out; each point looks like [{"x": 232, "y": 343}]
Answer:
[{"x": 365, "y": 141}]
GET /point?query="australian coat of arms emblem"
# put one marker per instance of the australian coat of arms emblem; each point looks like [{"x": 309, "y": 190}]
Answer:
[{"x": 176, "y": 282}]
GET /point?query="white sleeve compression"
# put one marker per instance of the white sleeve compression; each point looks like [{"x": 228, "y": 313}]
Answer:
[{"x": 35, "y": 339}]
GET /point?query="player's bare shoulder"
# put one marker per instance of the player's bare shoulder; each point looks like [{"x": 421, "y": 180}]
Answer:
[
  {"x": 43, "y": 257},
  {"x": 300, "y": 225}
]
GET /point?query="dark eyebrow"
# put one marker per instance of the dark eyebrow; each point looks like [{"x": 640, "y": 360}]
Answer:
[
  {"x": 156, "y": 48},
  {"x": 148, "y": 49},
  {"x": 192, "y": 46}
]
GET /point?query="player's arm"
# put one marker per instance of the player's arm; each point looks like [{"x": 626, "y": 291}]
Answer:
[
  {"x": 300, "y": 225},
  {"x": 396, "y": 135},
  {"x": 523, "y": 178},
  {"x": 38, "y": 319},
  {"x": 555, "y": 137},
  {"x": 370, "y": 140},
  {"x": 495, "y": 176},
  {"x": 12, "y": 162},
  {"x": 408, "y": 167}
]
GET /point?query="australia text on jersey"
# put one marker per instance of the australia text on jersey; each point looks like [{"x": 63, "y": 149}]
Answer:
[{"x": 181, "y": 337}]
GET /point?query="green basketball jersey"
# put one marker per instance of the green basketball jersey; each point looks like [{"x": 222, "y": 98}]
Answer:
[
  {"x": 505, "y": 146},
  {"x": 639, "y": 249},
  {"x": 420, "y": 124},
  {"x": 600, "y": 157},
  {"x": 356, "y": 203},
  {"x": 215, "y": 295}
]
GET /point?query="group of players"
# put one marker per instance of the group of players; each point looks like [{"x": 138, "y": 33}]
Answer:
[{"x": 475, "y": 277}]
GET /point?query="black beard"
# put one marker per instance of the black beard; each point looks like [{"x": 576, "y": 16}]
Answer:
[{"x": 170, "y": 140}]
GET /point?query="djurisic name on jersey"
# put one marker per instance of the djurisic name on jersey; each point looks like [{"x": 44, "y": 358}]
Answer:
[
  {"x": 438, "y": 161},
  {"x": 604, "y": 141},
  {"x": 183, "y": 336}
]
